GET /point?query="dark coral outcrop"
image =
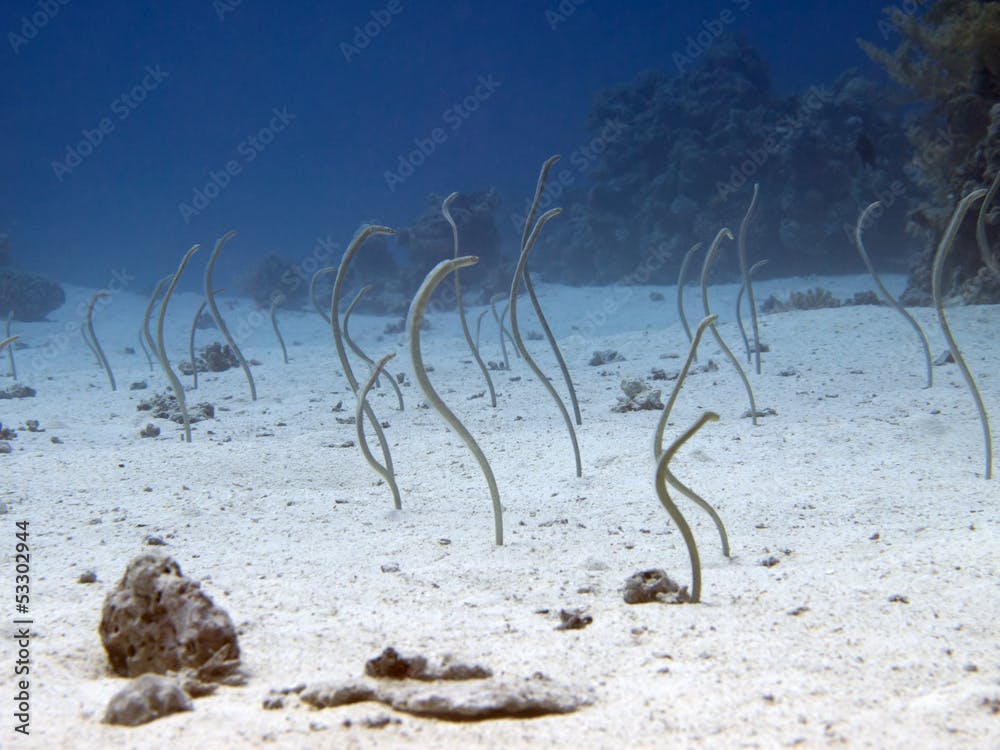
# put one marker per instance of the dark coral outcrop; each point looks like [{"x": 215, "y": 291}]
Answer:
[
  {"x": 429, "y": 240},
  {"x": 949, "y": 59},
  {"x": 674, "y": 158},
  {"x": 29, "y": 295}
]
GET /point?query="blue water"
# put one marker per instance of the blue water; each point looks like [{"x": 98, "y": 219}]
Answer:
[{"x": 291, "y": 120}]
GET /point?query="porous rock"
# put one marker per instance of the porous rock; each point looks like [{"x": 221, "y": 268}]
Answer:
[
  {"x": 452, "y": 700},
  {"x": 145, "y": 699},
  {"x": 158, "y": 620},
  {"x": 654, "y": 586},
  {"x": 166, "y": 406},
  {"x": 329, "y": 694},
  {"x": 638, "y": 396},
  {"x": 18, "y": 391},
  {"x": 604, "y": 357},
  {"x": 393, "y": 665},
  {"x": 212, "y": 358},
  {"x": 491, "y": 699}
]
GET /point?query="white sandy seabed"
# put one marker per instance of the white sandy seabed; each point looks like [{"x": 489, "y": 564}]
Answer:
[{"x": 877, "y": 627}]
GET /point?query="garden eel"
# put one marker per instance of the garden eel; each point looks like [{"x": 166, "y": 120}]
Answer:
[
  {"x": 90, "y": 344},
  {"x": 8, "y": 342},
  {"x": 724, "y": 232},
  {"x": 530, "y": 287},
  {"x": 359, "y": 417},
  {"x": 144, "y": 331},
  {"x": 217, "y": 316},
  {"x": 358, "y": 350},
  {"x": 145, "y": 349},
  {"x": 413, "y": 321},
  {"x": 386, "y": 472},
  {"x": 681, "y": 278},
  {"x": 446, "y": 210},
  {"x": 275, "y": 301},
  {"x": 503, "y": 328},
  {"x": 739, "y": 311},
  {"x": 93, "y": 336},
  {"x": 518, "y": 275},
  {"x": 10, "y": 352},
  {"x": 692, "y": 352},
  {"x": 885, "y": 292},
  {"x": 939, "y": 257},
  {"x": 312, "y": 291},
  {"x": 164, "y": 362},
  {"x": 662, "y": 474},
  {"x": 658, "y": 437},
  {"x": 194, "y": 327},
  {"x": 479, "y": 325},
  {"x": 989, "y": 259},
  {"x": 742, "y": 251}
]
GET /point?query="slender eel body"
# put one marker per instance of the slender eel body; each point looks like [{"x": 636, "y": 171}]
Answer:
[
  {"x": 217, "y": 316},
  {"x": 715, "y": 332},
  {"x": 446, "y": 210},
  {"x": 519, "y": 342},
  {"x": 93, "y": 336},
  {"x": 662, "y": 474},
  {"x": 352, "y": 345},
  {"x": 413, "y": 321},
  {"x": 936, "y": 289},
  {"x": 386, "y": 471},
  {"x": 887, "y": 295},
  {"x": 175, "y": 384},
  {"x": 359, "y": 417},
  {"x": 745, "y": 271}
]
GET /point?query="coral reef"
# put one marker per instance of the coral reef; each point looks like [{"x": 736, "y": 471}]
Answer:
[
  {"x": 30, "y": 296},
  {"x": 269, "y": 277},
  {"x": 678, "y": 158},
  {"x": 949, "y": 58},
  {"x": 430, "y": 238},
  {"x": 273, "y": 276}
]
